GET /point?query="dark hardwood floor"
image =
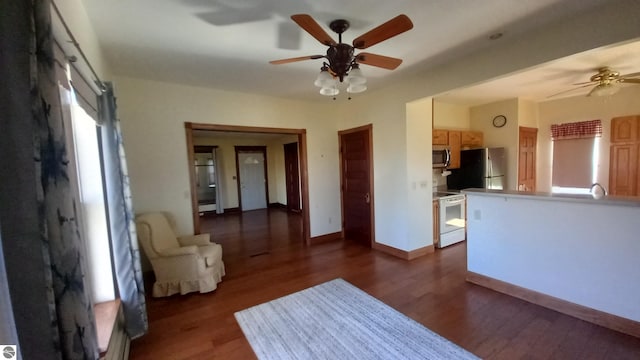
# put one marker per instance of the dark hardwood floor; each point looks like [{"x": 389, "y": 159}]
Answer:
[{"x": 265, "y": 259}]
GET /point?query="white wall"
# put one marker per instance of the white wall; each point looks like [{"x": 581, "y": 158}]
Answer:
[
  {"x": 419, "y": 174},
  {"x": 506, "y": 136},
  {"x": 451, "y": 116},
  {"x": 527, "y": 113},
  {"x": 586, "y": 254},
  {"x": 75, "y": 15},
  {"x": 582, "y": 108}
]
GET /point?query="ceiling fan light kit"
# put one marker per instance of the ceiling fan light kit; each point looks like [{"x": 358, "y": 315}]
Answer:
[
  {"x": 604, "y": 90},
  {"x": 356, "y": 88},
  {"x": 341, "y": 62},
  {"x": 330, "y": 91}
]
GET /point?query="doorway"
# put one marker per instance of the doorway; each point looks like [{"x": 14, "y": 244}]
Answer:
[
  {"x": 356, "y": 184},
  {"x": 251, "y": 167},
  {"x": 206, "y": 173},
  {"x": 249, "y": 131},
  {"x": 527, "y": 146}
]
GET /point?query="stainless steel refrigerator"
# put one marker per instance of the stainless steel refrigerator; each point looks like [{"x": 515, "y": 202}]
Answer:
[{"x": 483, "y": 168}]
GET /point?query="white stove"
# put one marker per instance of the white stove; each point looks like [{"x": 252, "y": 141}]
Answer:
[{"x": 452, "y": 218}]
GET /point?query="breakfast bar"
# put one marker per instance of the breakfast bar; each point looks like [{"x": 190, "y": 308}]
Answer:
[{"x": 572, "y": 253}]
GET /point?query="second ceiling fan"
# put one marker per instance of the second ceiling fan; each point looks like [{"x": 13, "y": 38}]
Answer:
[
  {"x": 341, "y": 60},
  {"x": 605, "y": 82}
]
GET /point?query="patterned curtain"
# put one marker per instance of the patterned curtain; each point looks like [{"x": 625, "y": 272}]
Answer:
[
  {"x": 576, "y": 130},
  {"x": 70, "y": 306},
  {"x": 124, "y": 244}
]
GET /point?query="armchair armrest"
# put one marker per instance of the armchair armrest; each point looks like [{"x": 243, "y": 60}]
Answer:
[
  {"x": 199, "y": 240},
  {"x": 184, "y": 250}
]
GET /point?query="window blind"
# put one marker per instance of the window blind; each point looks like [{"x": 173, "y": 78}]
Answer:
[{"x": 572, "y": 163}]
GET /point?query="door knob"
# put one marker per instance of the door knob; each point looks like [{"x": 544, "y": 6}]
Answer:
[{"x": 367, "y": 198}]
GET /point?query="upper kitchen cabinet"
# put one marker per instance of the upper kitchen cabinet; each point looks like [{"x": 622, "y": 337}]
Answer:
[
  {"x": 625, "y": 129},
  {"x": 440, "y": 137},
  {"x": 457, "y": 140},
  {"x": 454, "y": 144},
  {"x": 471, "y": 139}
]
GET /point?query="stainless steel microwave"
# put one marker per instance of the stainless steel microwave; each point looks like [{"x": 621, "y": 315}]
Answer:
[{"x": 440, "y": 156}]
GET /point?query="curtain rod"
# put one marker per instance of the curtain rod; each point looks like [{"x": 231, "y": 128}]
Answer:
[{"x": 75, "y": 43}]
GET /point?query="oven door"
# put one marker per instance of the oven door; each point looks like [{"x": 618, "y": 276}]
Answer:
[{"x": 452, "y": 213}]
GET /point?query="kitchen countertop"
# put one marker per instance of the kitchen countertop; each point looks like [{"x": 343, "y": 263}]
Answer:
[{"x": 578, "y": 198}]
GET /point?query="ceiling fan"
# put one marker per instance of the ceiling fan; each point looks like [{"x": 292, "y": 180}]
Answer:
[
  {"x": 605, "y": 82},
  {"x": 340, "y": 58}
]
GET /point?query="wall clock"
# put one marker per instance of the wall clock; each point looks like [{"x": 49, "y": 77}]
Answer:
[{"x": 499, "y": 121}]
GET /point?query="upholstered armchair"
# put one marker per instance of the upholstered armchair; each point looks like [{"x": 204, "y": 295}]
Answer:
[{"x": 181, "y": 264}]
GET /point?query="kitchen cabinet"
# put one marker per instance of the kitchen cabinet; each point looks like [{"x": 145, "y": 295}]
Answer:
[
  {"x": 457, "y": 140},
  {"x": 624, "y": 156},
  {"x": 440, "y": 137},
  {"x": 623, "y": 170},
  {"x": 454, "y": 144},
  {"x": 625, "y": 129},
  {"x": 436, "y": 222},
  {"x": 471, "y": 139}
]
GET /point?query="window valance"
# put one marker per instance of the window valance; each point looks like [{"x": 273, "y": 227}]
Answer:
[{"x": 576, "y": 130}]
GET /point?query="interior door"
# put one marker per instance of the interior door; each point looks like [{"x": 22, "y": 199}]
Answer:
[
  {"x": 292, "y": 176},
  {"x": 527, "y": 144},
  {"x": 357, "y": 184},
  {"x": 252, "y": 179}
]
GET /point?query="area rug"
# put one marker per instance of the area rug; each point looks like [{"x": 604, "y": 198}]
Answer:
[{"x": 336, "y": 320}]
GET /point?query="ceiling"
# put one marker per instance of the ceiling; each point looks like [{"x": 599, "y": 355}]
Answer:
[
  {"x": 227, "y": 44},
  {"x": 553, "y": 80}
]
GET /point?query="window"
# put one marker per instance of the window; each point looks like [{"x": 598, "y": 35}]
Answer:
[
  {"x": 98, "y": 253},
  {"x": 575, "y": 156}
]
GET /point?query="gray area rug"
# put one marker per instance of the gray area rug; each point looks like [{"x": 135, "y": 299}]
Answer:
[{"x": 336, "y": 320}]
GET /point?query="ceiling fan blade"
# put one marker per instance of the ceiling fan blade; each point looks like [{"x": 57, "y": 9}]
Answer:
[
  {"x": 384, "y": 62},
  {"x": 311, "y": 26},
  {"x": 586, "y": 82},
  {"x": 391, "y": 28},
  {"x": 630, "y": 75},
  {"x": 570, "y": 90},
  {"x": 290, "y": 60},
  {"x": 631, "y": 81}
]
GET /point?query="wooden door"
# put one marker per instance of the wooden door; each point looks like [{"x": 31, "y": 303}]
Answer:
[
  {"x": 623, "y": 170},
  {"x": 356, "y": 184},
  {"x": 292, "y": 176},
  {"x": 454, "y": 144},
  {"x": 527, "y": 144}
]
